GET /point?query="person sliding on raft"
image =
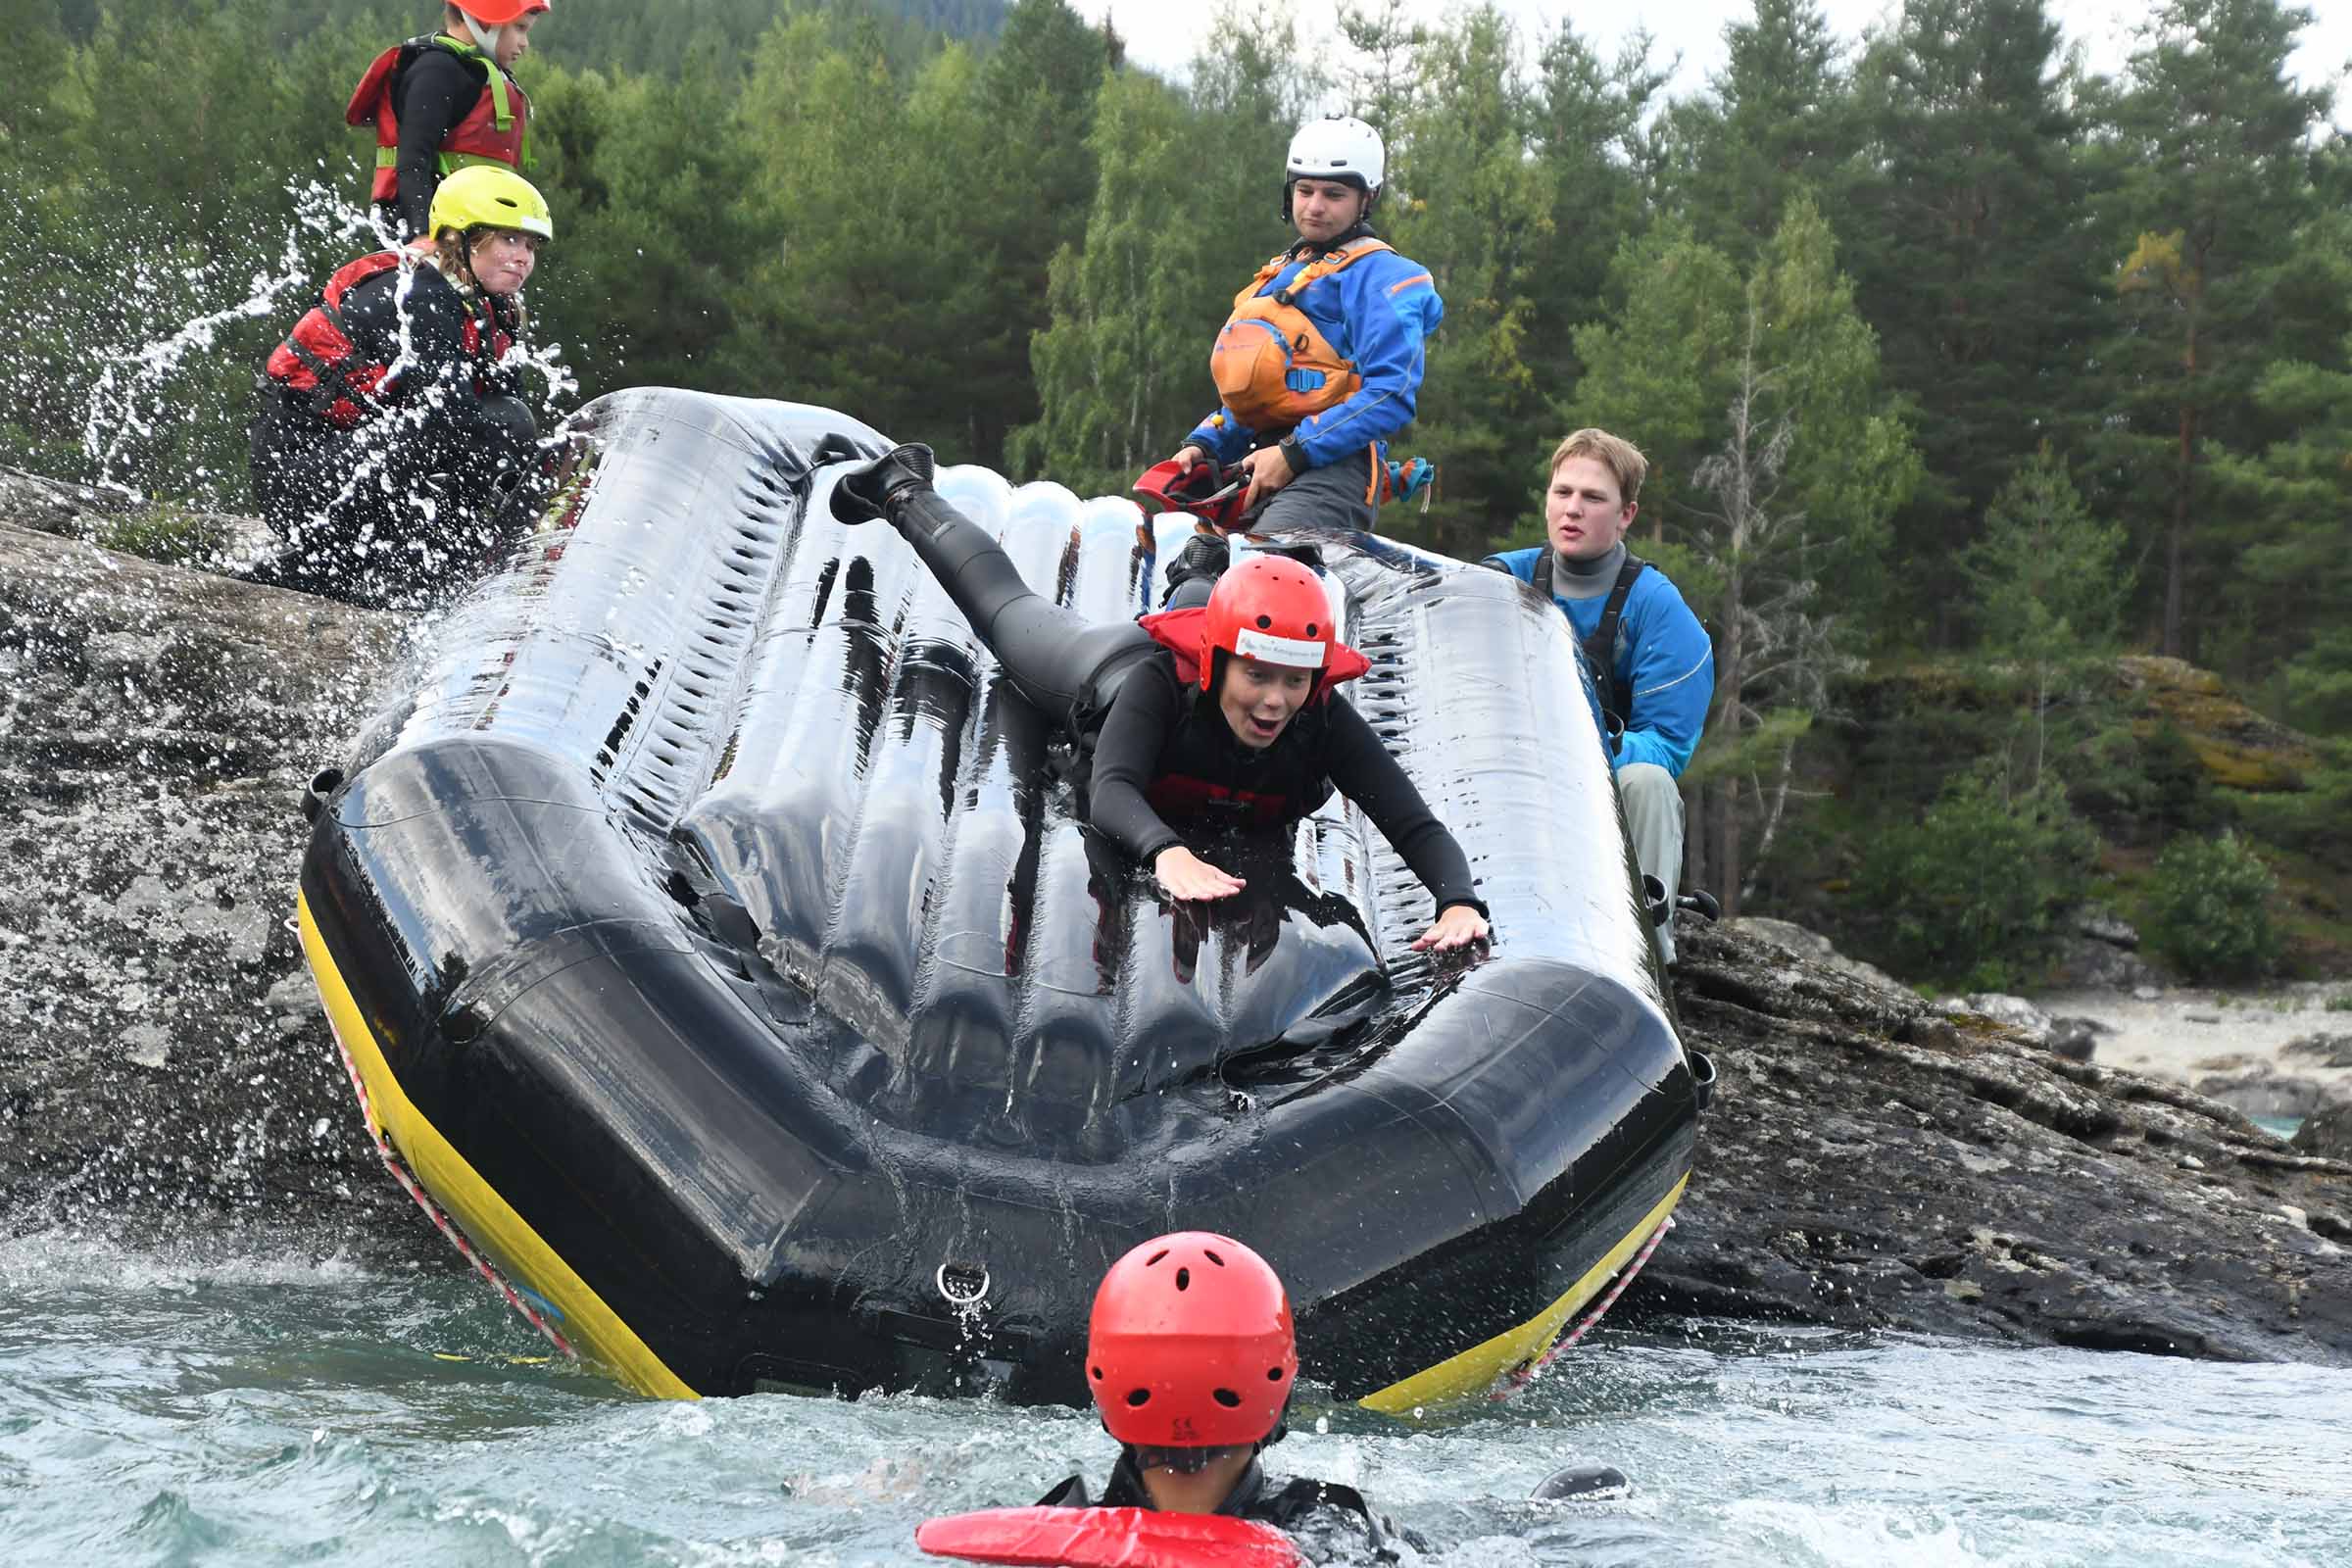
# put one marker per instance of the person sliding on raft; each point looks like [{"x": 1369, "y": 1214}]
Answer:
[
  {"x": 1320, "y": 361},
  {"x": 390, "y": 415},
  {"x": 1191, "y": 1358},
  {"x": 444, "y": 102},
  {"x": 1226, "y": 713}
]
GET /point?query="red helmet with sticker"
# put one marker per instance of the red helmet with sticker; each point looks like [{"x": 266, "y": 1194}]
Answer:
[
  {"x": 1190, "y": 1343},
  {"x": 1271, "y": 608},
  {"x": 498, "y": 12}
]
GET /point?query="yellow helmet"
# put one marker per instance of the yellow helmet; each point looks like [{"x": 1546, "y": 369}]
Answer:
[{"x": 490, "y": 196}]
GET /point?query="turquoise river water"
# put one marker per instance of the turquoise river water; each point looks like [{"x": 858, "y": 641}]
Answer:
[{"x": 164, "y": 1408}]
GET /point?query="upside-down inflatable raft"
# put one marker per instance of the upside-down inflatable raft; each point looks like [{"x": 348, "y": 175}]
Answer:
[{"x": 718, "y": 955}]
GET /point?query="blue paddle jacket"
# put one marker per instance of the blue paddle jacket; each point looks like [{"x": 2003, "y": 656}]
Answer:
[
  {"x": 1664, "y": 660},
  {"x": 1376, "y": 313}
]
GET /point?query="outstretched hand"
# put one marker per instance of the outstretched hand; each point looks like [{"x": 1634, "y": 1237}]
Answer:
[
  {"x": 1457, "y": 927},
  {"x": 868, "y": 491},
  {"x": 1187, "y": 876}
]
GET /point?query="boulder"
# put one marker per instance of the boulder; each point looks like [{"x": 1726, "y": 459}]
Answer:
[{"x": 2327, "y": 1132}]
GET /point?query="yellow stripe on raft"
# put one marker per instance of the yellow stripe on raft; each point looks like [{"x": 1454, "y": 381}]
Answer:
[
  {"x": 486, "y": 1218},
  {"x": 1474, "y": 1371}
]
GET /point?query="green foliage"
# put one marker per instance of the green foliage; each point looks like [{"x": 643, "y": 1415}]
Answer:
[
  {"x": 168, "y": 534},
  {"x": 2208, "y": 910},
  {"x": 1970, "y": 896}
]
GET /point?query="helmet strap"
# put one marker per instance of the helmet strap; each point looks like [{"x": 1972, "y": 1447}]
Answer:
[{"x": 484, "y": 38}]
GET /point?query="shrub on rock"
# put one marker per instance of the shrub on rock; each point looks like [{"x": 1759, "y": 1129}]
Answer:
[{"x": 2209, "y": 908}]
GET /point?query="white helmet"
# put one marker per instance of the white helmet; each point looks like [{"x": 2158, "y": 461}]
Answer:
[{"x": 1342, "y": 148}]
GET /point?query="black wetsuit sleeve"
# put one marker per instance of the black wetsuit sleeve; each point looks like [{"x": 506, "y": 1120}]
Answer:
[
  {"x": 1360, "y": 767},
  {"x": 1127, "y": 752},
  {"x": 435, "y": 91}
]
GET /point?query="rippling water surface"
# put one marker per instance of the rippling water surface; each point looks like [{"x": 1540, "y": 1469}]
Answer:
[{"x": 164, "y": 1408}]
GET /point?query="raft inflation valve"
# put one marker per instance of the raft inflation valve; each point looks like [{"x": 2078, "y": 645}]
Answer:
[
  {"x": 964, "y": 1285},
  {"x": 322, "y": 784}
]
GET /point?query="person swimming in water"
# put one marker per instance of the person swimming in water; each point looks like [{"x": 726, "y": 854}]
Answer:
[{"x": 1226, "y": 714}]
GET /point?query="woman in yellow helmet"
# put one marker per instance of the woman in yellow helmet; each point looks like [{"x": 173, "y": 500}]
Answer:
[{"x": 389, "y": 416}]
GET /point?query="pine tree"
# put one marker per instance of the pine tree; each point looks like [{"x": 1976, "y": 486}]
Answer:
[
  {"x": 1779, "y": 120},
  {"x": 1464, "y": 200},
  {"x": 1966, "y": 246},
  {"x": 2215, "y": 175},
  {"x": 1778, "y": 496}
]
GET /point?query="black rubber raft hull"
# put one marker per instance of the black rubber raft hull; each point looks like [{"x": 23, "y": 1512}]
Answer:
[{"x": 712, "y": 939}]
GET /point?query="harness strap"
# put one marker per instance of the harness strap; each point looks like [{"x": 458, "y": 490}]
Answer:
[{"x": 1600, "y": 649}]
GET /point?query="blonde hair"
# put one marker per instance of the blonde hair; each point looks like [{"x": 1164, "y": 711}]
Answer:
[{"x": 1615, "y": 453}]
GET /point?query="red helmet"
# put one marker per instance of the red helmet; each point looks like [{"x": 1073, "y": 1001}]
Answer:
[
  {"x": 1268, "y": 608},
  {"x": 498, "y": 12},
  {"x": 1191, "y": 1345}
]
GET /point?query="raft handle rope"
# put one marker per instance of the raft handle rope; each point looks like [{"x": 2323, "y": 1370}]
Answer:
[
  {"x": 1520, "y": 1376},
  {"x": 964, "y": 1285},
  {"x": 441, "y": 1222}
]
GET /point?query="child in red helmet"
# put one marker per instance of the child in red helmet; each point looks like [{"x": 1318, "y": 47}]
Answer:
[
  {"x": 1191, "y": 1358},
  {"x": 1226, "y": 714},
  {"x": 444, "y": 102}
]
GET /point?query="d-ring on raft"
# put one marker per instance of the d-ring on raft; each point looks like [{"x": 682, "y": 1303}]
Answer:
[{"x": 713, "y": 942}]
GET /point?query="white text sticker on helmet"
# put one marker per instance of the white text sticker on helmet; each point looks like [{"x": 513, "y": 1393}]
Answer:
[{"x": 1296, "y": 652}]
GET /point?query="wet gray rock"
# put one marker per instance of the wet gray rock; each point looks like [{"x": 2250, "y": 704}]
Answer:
[
  {"x": 1813, "y": 948},
  {"x": 2085, "y": 964},
  {"x": 2101, "y": 925},
  {"x": 163, "y": 1060},
  {"x": 2327, "y": 1132},
  {"x": 2076, "y": 1039},
  {"x": 1869, "y": 1161},
  {"x": 2326, "y": 1050},
  {"x": 2010, "y": 1013},
  {"x": 2259, "y": 1089}
]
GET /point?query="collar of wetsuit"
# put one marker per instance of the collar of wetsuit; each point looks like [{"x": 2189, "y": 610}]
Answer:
[{"x": 1581, "y": 579}]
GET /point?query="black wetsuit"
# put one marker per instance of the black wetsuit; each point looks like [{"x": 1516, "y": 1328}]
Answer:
[
  {"x": 399, "y": 501},
  {"x": 434, "y": 90},
  {"x": 1333, "y": 1518},
  {"x": 1158, "y": 747},
  {"x": 1165, "y": 750}
]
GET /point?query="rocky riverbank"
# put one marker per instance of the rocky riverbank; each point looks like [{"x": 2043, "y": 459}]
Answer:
[{"x": 1869, "y": 1160}]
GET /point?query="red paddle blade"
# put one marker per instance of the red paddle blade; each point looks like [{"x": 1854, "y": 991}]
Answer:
[{"x": 1106, "y": 1537}]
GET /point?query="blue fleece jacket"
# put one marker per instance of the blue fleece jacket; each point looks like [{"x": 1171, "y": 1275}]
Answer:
[
  {"x": 1375, "y": 313},
  {"x": 1664, "y": 658}
]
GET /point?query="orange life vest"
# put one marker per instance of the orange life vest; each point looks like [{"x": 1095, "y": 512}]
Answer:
[
  {"x": 322, "y": 357},
  {"x": 1272, "y": 368},
  {"x": 495, "y": 130}
]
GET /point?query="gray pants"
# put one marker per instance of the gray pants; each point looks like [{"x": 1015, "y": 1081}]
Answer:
[
  {"x": 1653, "y": 815},
  {"x": 1332, "y": 496},
  {"x": 1329, "y": 496}
]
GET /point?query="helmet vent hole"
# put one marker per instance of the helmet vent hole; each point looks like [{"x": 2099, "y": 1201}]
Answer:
[
  {"x": 1264, "y": 622},
  {"x": 1273, "y": 1374},
  {"x": 1228, "y": 1398},
  {"x": 1098, "y": 1371},
  {"x": 1137, "y": 1397},
  {"x": 1310, "y": 629},
  {"x": 1155, "y": 1257},
  {"x": 1213, "y": 1258},
  {"x": 1184, "y": 1279}
]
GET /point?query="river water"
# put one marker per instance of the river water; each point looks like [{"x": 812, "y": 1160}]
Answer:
[{"x": 169, "y": 1408}]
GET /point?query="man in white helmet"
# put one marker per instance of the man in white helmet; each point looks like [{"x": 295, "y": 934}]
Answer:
[{"x": 1321, "y": 360}]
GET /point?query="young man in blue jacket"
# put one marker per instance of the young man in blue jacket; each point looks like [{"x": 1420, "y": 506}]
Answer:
[
  {"x": 1321, "y": 360},
  {"x": 1652, "y": 664}
]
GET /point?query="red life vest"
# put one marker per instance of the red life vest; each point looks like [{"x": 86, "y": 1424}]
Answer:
[
  {"x": 322, "y": 358},
  {"x": 1272, "y": 368},
  {"x": 495, "y": 130}
]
